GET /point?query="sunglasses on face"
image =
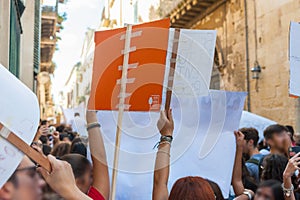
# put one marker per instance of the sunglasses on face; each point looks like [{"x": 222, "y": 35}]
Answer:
[{"x": 31, "y": 171}]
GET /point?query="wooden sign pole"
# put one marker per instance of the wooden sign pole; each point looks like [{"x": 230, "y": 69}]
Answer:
[
  {"x": 121, "y": 110},
  {"x": 25, "y": 148},
  {"x": 172, "y": 68}
]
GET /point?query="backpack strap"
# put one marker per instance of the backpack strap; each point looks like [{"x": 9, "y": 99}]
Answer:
[{"x": 254, "y": 161}]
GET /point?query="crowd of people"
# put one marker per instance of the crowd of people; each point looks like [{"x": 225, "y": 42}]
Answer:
[{"x": 264, "y": 168}]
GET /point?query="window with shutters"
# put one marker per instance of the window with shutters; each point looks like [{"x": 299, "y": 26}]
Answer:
[{"x": 16, "y": 10}]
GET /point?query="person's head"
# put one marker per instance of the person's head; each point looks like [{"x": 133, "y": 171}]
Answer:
[
  {"x": 44, "y": 123},
  {"x": 217, "y": 191},
  {"x": 296, "y": 138},
  {"x": 76, "y": 114},
  {"x": 82, "y": 170},
  {"x": 276, "y": 136},
  {"x": 273, "y": 167},
  {"x": 44, "y": 139},
  {"x": 64, "y": 137},
  {"x": 269, "y": 190},
  {"x": 79, "y": 148},
  {"x": 251, "y": 139},
  {"x": 192, "y": 188},
  {"x": 291, "y": 131},
  {"x": 46, "y": 149},
  {"x": 60, "y": 128},
  {"x": 24, "y": 184},
  {"x": 61, "y": 149}
]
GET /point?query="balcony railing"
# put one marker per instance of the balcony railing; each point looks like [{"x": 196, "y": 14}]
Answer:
[
  {"x": 49, "y": 9},
  {"x": 166, "y": 6}
]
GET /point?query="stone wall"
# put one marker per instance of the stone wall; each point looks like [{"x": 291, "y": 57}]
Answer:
[{"x": 268, "y": 44}]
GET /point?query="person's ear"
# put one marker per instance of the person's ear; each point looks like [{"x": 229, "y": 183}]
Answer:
[
  {"x": 7, "y": 190},
  {"x": 250, "y": 142}
]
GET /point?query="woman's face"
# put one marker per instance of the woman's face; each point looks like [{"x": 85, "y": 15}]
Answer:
[{"x": 264, "y": 193}]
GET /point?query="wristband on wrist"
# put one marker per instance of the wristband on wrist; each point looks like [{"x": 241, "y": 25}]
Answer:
[
  {"x": 164, "y": 139},
  {"x": 248, "y": 194},
  {"x": 168, "y": 138},
  {"x": 92, "y": 125},
  {"x": 287, "y": 191},
  {"x": 163, "y": 142}
]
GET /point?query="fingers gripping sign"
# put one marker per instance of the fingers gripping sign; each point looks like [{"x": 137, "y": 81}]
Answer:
[{"x": 165, "y": 123}]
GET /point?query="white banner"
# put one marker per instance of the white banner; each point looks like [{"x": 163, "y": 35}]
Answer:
[
  {"x": 20, "y": 113},
  {"x": 295, "y": 59},
  {"x": 203, "y": 142},
  {"x": 251, "y": 120},
  {"x": 195, "y": 57}
]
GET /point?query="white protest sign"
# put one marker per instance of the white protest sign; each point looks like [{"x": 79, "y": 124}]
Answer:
[
  {"x": 78, "y": 123},
  {"x": 195, "y": 119},
  {"x": 251, "y": 120},
  {"x": 294, "y": 59},
  {"x": 195, "y": 56},
  {"x": 19, "y": 112}
]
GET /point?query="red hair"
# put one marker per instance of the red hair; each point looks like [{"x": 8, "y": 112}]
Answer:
[{"x": 192, "y": 188}]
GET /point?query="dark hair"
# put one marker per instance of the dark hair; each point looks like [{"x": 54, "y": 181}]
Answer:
[
  {"x": 63, "y": 135},
  {"x": 61, "y": 149},
  {"x": 76, "y": 114},
  {"x": 250, "y": 134},
  {"x": 46, "y": 149},
  {"x": 292, "y": 131},
  {"x": 60, "y": 128},
  {"x": 274, "y": 129},
  {"x": 273, "y": 167},
  {"x": 191, "y": 188},
  {"x": 78, "y": 163},
  {"x": 217, "y": 191},
  {"x": 262, "y": 145},
  {"x": 44, "y": 122},
  {"x": 276, "y": 188},
  {"x": 72, "y": 135},
  {"x": 76, "y": 140},
  {"x": 44, "y": 139},
  {"x": 248, "y": 181},
  {"x": 79, "y": 148}
]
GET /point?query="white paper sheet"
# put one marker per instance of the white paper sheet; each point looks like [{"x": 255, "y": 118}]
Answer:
[
  {"x": 193, "y": 152},
  {"x": 78, "y": 123},
  {"x": 294, "y": 59},
  {"x": 19, "y": 112},
  {"x": 194, "y": 61}
]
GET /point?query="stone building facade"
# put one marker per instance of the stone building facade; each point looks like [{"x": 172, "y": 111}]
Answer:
[{"x": 249, "y": 31}]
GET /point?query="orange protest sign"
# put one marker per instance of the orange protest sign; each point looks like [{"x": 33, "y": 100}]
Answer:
[{"x": 146, "y": 67}]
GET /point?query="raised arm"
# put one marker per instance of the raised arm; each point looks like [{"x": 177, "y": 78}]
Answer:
[
  {"x": 165, "y": 125},
  {"x": 98, "y": 154},
  {"x": 289, "y": 171},
  {"x": 236, "y": 181}
]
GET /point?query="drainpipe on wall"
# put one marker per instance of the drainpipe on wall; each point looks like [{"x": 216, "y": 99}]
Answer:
[{"x": 247, "y": 57}]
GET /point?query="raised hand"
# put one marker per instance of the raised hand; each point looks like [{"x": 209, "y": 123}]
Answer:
[
  {"x": 239, "y": 138},
  {"x": 165, "y": 123}
]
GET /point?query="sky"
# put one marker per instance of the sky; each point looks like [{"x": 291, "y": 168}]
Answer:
[{"x": 81, "y": 15}]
